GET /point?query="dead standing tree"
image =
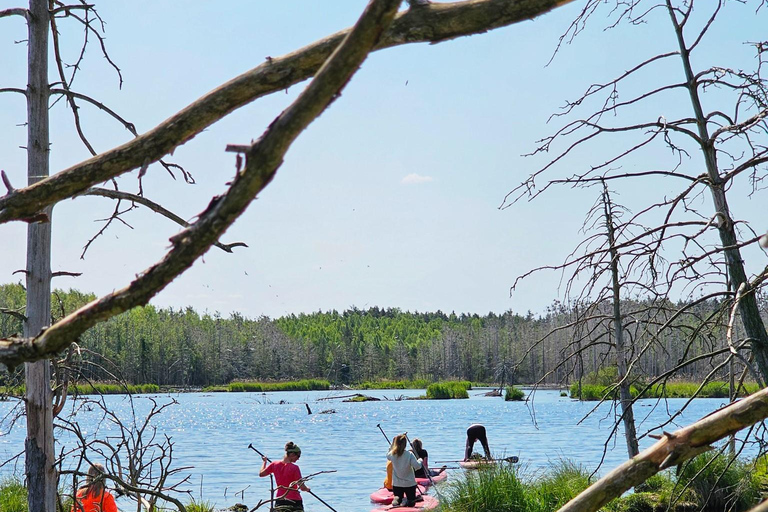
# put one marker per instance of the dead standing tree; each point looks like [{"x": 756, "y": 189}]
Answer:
[
  {"x": 731, "y": 149},
  {"x": 339, "y": 55}
]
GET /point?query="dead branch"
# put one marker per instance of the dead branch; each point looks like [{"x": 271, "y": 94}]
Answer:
[
  {"x": 431, "y": 23},
  {"x": 262, "y": 162},
  {"x": 14, "y": 12},
  {"x": 155, "y": 207}
]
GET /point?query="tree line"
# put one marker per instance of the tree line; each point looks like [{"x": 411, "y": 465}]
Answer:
[{"x": 181, "y": 347}]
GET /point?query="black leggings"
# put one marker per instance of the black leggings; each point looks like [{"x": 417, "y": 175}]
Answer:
[
  {"x": 410, "y": 492},
  {"x": 288, "y": 505},
  {"x": 476, "y": 433}
]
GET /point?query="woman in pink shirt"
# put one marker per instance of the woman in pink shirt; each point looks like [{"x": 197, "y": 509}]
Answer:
[{"x": 288, "y": 478}]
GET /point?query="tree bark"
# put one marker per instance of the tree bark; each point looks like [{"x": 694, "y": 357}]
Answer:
[
  {"x": 39, "y": 467},
  {"x": 627, "y": 414}
]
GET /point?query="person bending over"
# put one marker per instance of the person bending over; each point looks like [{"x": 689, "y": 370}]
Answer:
[{"x": 476, "y": 432}]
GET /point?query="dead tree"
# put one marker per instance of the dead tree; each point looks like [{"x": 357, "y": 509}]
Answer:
[
  {"x": 688, "y": 253},
  {"x": 332, "y": 61}
]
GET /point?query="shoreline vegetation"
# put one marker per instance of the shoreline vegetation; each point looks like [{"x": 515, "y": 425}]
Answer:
[
  {"x": 711, "y": 481},
  {"x": 587, "y": 391}
]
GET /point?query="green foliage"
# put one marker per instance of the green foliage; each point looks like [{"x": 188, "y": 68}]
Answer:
[
  {"x": 390, "y": 384},
  {"x": 450, "y": 389},
  {"x": 564, "y": 481},
  {"x": 200, "y": 506},
  {"x": 714, "y": 389},
  {"x": 514, "y": 394},
  {"x": 260, "y": 387},
  {"x": 720, "y": 482},
  {"x": 13, "y": 495},
  {"x": 495, "y": 488},
  {"x": 103, "y": 388}
]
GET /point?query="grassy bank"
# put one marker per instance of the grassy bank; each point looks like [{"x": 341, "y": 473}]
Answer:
[
  {"x": 394, "y": 384},
  {"x": 260, "y": 387},
  {"x": 96, "y": 388},
  {"x": 449, "y": 389},
  {"x": 714, "y": 389},
  {"x": 719, "y": 484}
]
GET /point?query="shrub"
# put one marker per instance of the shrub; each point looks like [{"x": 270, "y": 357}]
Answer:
[{"x": 513, "y": 393}]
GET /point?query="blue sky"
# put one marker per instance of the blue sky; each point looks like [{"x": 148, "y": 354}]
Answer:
[{"x": 391, "y": 198}]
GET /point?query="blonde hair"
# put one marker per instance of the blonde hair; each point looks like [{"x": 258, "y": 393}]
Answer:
[{"x": 398, "y": 445}]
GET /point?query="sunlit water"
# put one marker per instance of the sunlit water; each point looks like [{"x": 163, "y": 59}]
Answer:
[{"x": 211, "y": 433}]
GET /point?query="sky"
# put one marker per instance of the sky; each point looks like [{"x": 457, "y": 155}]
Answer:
[{"x": 391, "y": 198}]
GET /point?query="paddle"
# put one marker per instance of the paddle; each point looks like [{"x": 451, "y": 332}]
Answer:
[
  {"x": 426, "y": 470},
  {"x": 512, "y": 460},
  {"x": 382, "y": 432},
  {"x": 310, "y": 492}
]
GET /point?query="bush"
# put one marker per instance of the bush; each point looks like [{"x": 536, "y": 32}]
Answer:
[
  {"x": 13, "y": 495},
  {"x": 452, "y": 389},
  {"x": 513, "y": 393}
]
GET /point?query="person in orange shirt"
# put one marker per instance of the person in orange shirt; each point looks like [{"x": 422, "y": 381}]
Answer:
[{"x": 93, "y": 497}]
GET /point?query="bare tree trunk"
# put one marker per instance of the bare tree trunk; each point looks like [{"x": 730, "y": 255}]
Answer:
[
  {"x": 40, "y": 473},
  {"x": 627, "y": 414},
  {"x": 748, "y": 308}
]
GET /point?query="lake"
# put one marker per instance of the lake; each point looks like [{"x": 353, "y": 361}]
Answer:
[{"x": 211, "y": 433}]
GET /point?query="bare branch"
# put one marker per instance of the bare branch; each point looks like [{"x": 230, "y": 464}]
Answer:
[
  {"x": 14, "y": 12},
  {"x": 432, "y": 23},
  {"x": 262, "y": 162},
  {"x": 155, "y": 207}
]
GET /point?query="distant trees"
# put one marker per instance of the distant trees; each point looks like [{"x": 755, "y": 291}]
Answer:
[{"x": 185, "y": 348}]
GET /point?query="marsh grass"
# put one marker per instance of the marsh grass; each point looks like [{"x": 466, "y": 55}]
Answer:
[
  {"x": 394, "y": 384},
  {"x": 496, "y": 488},
  {"x": 714, "y": 389},
  {"x": 449, "y": 389},
  {"x": 720, "y": 482},
  {"x": 101, "y": 388},
  {"x": 259, "y": 387},
  {"x": 563, "y": 482},
  {"x": 514, "y": 394},
  {"x": 710, "y": 482},
  {"x": 200, "y": 506},
  {"x": 13, "y": 495}
]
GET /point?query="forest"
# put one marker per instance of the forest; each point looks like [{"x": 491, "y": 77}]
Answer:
[{"x": 185, "y": 348}]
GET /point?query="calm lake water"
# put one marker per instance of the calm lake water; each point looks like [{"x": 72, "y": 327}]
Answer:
[{"x": 211, "y": 433}]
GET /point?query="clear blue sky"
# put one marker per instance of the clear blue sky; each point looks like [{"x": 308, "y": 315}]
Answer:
[{"x": 390, "y": 198}]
